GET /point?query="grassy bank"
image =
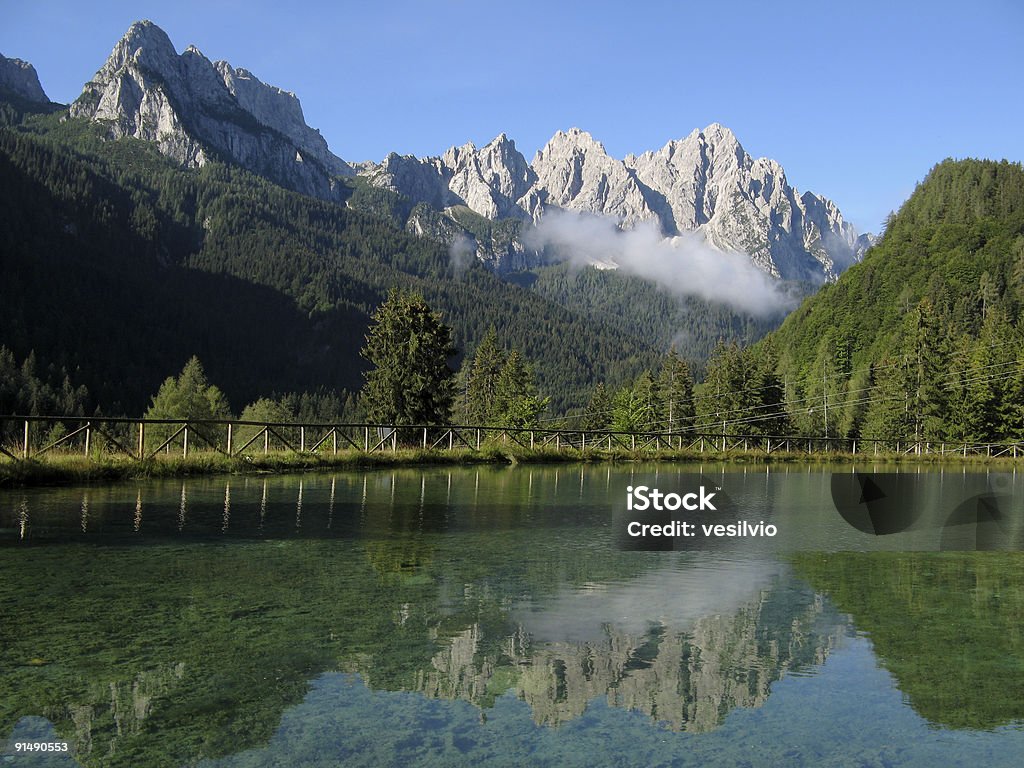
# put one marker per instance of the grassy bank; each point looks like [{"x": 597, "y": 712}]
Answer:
[{"x": 65, "y": 469}]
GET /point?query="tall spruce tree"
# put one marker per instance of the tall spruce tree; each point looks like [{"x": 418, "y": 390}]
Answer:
[
  {"x": 633, "y": 408},
  {"x": 598, "y": 413},
  {"x": 674, "y": 394},
  {"x": 768, "y": 415},
  {"x": 721, "y": 402},
  {"x": 482, "y": 385},
  {"x": 408, "y": 346},
  {"x": 516, "y": 402}
]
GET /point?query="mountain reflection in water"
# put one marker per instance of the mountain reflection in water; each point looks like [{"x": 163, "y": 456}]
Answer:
[{"x": 167, "y": 622}]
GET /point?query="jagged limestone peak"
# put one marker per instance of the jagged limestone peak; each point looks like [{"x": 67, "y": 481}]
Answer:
[
  {"x": 190, "y": 106},
  {"x": 20, "y": 78}
]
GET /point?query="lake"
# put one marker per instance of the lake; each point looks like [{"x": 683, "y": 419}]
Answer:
[{"x": 499, "y": 616}]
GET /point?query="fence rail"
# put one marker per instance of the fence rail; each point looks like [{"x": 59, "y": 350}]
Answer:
[{"x": 25, "y": 437}]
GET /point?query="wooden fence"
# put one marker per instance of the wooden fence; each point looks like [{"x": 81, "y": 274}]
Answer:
[{"x": 26, "y": 437}]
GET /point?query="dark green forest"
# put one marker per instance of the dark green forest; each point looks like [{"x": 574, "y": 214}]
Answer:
[
  {"x": 923, "y": 340},
  {"x": 120, "y": 266}
]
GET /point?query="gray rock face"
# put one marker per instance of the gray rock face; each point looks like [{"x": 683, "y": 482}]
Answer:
[
  {"x": 704, "y": 183},
  {"x": 193, "y": 109},
  {"x": 575, "y": 172},
  {"x": 20, "y": 78},
  {"x": 490, "y": 180},
  {"x": 423, "y": 181}
]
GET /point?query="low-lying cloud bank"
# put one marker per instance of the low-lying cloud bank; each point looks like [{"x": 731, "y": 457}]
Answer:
[{"x": 685, "y": 265}]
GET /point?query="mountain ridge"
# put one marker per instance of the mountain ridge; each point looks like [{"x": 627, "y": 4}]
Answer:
[
  {"x": 704, "y": 183},
  {"x": 20, "y": 78},
  {"x": 194, "y": 108}
]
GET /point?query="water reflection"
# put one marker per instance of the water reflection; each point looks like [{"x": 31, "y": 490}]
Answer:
[
  {"x": 954, "y": 510},
  {"x": 686, "y": 663},
  {"x": 465, "y": 587}
]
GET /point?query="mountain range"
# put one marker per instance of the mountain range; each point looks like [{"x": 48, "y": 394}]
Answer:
[
  {"x": 195, "y": 109},
  {"x": 195, "y": 185}
]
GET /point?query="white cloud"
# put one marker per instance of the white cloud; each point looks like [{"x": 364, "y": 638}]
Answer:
[{"x": 685, "y": 265}]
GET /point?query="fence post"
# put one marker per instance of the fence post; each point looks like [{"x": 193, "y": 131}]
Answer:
[
  {"x": 424, "y": 438},
  {"x": 88, "y": 437},
  {"x": 583, "y": 442},
  {"x": 366, "y": 439},
  {"x": 478, "y": 439},
  {"x": 394, "y": 439},
  {"x": 229, "y": 438},
  {"x": 266, "y": 440},
  {"x": 451, "y": 438},
  {"x": 24, "y": 450},
  {"x": 184, "y": 449},
  {"x": 302, "y": 439},
  {"x": 334, "y": 440}
]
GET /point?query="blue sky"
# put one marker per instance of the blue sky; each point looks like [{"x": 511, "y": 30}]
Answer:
[{"x": 857, "y": 100}]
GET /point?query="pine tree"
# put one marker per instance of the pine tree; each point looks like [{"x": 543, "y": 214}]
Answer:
[
  {"x": 516, "y": 402},
  {"x": 768, "y": 416},
  {"x": 930, "y": 396},
  {"x": 598, "y": 413},
  {"x": 408, "y": 347},
  {"x": 482, "y": 384},
  {"x": 189, "y": 396},
  {"x": 674, "y": 394},
  {"x": 721, "y": 399},
  {"x": 889, "y": 415},
  {"x": 633, "y": 408}
]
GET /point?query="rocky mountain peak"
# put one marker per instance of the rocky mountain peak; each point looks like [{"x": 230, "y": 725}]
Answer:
[
  {"x": 19, "y": 78},
  {"x": 146, "y": 45},
  {"x": 575, "y": 139},
  {"x": 192, "y": 109},
  {"x": 704, "y": 183}
]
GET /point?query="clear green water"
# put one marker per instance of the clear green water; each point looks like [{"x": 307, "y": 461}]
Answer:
[{"x": 485, "y": 617}]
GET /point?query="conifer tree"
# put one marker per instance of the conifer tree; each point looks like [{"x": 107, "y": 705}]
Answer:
[
  {"x": 483, "y": 374},
  {"x": 408, "y": 346},
  {"x": 674, "y": 394},
  {"x": 188, "y": 396},
  {"x": 516, "y": 402},
  {"x": 598, "y": 413},
  {"x": 768, "y": 414},
  {"x": 633, "y": 409}
]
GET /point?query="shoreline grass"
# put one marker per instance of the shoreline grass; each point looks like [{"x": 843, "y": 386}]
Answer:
[{"x": 66, "y": 469}]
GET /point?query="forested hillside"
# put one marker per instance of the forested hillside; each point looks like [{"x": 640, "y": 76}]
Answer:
[
  {"x": 643, "y": 309},
  {"x": 924, "y": 339},
  {"x": 119, "y": 266}
]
